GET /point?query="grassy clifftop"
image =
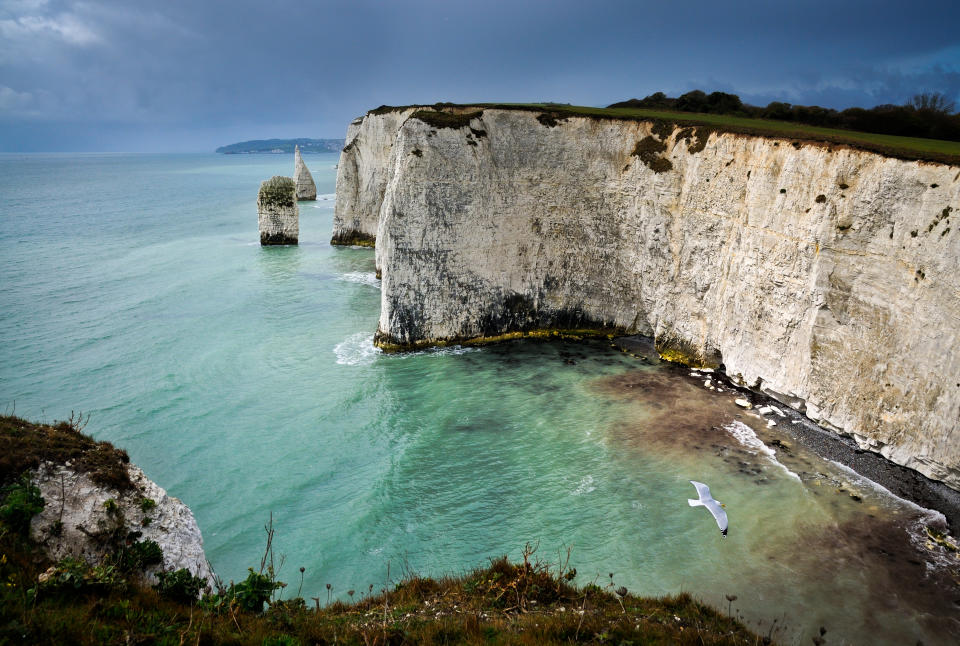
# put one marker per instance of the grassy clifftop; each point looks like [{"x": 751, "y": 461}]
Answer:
[
  {"x": 530, "y": 602},
  {"x": 908, "y": 148}
]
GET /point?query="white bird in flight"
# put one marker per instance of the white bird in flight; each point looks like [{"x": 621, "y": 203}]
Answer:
[{"x": 706, "y": 500}]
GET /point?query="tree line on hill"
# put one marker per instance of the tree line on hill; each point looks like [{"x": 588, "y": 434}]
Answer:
[{"x": 931, "y": 114}]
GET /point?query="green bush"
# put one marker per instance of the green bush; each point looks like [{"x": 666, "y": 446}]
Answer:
[
  {"x": 140, "y": 555},
  {"x": 249, "y": 595},
  {"x": 254, "y": 591},
  {"x": 21, "y": 502},
  {"x": 76, "y": 575},
  {"x": 180, "y": 585}
]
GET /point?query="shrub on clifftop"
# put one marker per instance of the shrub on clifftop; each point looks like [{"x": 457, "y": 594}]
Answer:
[{"x": 24, "y": 445}]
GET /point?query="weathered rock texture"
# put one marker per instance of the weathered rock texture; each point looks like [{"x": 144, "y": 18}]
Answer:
[
  {"x": 365, "y": 167},
  {"x": 277, "y": 211},
  {"x": 78, "y": 504},
  {"x": 306, "y": 189},
  {"x": 823, "y": 276}
]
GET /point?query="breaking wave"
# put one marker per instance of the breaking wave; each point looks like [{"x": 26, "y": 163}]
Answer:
[
  {"x": 357, "y": 350},
  {"x": 437, "y": 352},
  {"x": 746, "y": 436},
  {"x": 361, "y": 277}
]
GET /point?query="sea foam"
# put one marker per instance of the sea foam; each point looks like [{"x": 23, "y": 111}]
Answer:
[
  {"x": 361, "y": 277},
  {"x": 357, "y": 350},
  {"x": 746, "y": 436},
  {"x": 586, "y": 486}
]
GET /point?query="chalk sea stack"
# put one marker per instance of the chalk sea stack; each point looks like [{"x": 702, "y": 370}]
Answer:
[
  {"x": 277, "y": 211},
  {"x": 306, "y": 189}
]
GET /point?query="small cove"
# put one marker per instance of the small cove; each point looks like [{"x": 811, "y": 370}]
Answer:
[{"x": 244, "y": 381}]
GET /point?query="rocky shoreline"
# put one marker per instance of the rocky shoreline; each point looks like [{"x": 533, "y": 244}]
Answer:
[{"x": 901, "y": 481}]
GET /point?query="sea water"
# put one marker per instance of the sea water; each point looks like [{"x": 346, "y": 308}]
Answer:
[{"x": 243, "y": 379}]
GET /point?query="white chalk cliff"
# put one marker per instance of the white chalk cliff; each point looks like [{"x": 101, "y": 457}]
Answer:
[
  {"x": 76, "y": 514},
  {"x": 306, "y": 189},
  {"x": 362, "y": 174},
  {"x": 822, "y": 275}
]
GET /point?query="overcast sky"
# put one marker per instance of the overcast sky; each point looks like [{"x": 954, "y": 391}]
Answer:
[{"x": 191, "y": 75}]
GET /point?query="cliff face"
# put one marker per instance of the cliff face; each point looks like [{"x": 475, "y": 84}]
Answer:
[
  {"x": 76, "y": 517},
  {"x": 365, "y": 167},
  {"x": 823, "y": 276}
]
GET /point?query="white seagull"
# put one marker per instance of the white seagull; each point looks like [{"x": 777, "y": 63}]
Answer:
[{"x": 706, "y": 500}]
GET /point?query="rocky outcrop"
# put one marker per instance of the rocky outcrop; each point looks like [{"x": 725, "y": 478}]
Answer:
[
  {"x": 821, "y": 275},
  {"x": 365, "y": 167},
  {"x": 80, "y": 517},
  {"x": 277, "y": 211},
  {"x": 306, "y": 189}
]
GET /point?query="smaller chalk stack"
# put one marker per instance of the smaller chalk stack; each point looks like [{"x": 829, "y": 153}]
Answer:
[
  {"x": 306, "y": 189},
  {"x": 277, "y": 211}
]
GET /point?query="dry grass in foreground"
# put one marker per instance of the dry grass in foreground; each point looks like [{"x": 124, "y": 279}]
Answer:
[
  {"x": 75, "y": 602},
  {"x": 504, "y": 603}
]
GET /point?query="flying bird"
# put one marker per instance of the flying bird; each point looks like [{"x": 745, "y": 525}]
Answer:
[{"x": 706, "y": 500}]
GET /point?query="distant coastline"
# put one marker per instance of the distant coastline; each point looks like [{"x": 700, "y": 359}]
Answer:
[{"x": 282, "y": 146}]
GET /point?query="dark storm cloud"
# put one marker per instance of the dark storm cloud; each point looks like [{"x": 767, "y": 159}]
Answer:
[{"x": 126, "y": 75}]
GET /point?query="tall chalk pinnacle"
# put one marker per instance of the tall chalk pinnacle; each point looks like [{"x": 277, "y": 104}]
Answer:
[{"x": 306, "y": 189}]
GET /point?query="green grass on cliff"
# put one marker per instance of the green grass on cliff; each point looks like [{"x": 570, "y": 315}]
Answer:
[
  {"x": 24, "y": 445},
  {"x": 529, "y": 602},
  {"x": 909, "y": 148},
  {"x": 503, "y": 603}
]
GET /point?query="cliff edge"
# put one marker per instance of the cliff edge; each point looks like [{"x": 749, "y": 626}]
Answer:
[
  {"x": 819, "y": 274},
  {"x": 94, "y": 505}
]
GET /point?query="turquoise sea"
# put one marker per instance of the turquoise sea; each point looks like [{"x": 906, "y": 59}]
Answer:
[{"x": 243, "y": 380}]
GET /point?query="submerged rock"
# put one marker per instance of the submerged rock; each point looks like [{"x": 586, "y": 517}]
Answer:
[
  {"x": 638, "y": 346},
  {"x": 277, "y": 211},
  {"x": 306, "y": 189}
]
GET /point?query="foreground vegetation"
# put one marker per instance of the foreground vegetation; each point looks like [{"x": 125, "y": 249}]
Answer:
[
  {"x": 75, "y": 602},
  {"x": 504, "y": 603}
]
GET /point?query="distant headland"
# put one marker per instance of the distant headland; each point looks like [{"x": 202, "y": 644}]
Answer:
[{"x": 279, "y": 146}]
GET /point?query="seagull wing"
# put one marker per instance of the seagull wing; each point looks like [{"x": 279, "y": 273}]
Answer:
[
  {"x": 703, "y": 491},
  {"x": 718, "y": 513},
  {"x": 708, "y": 501}
]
